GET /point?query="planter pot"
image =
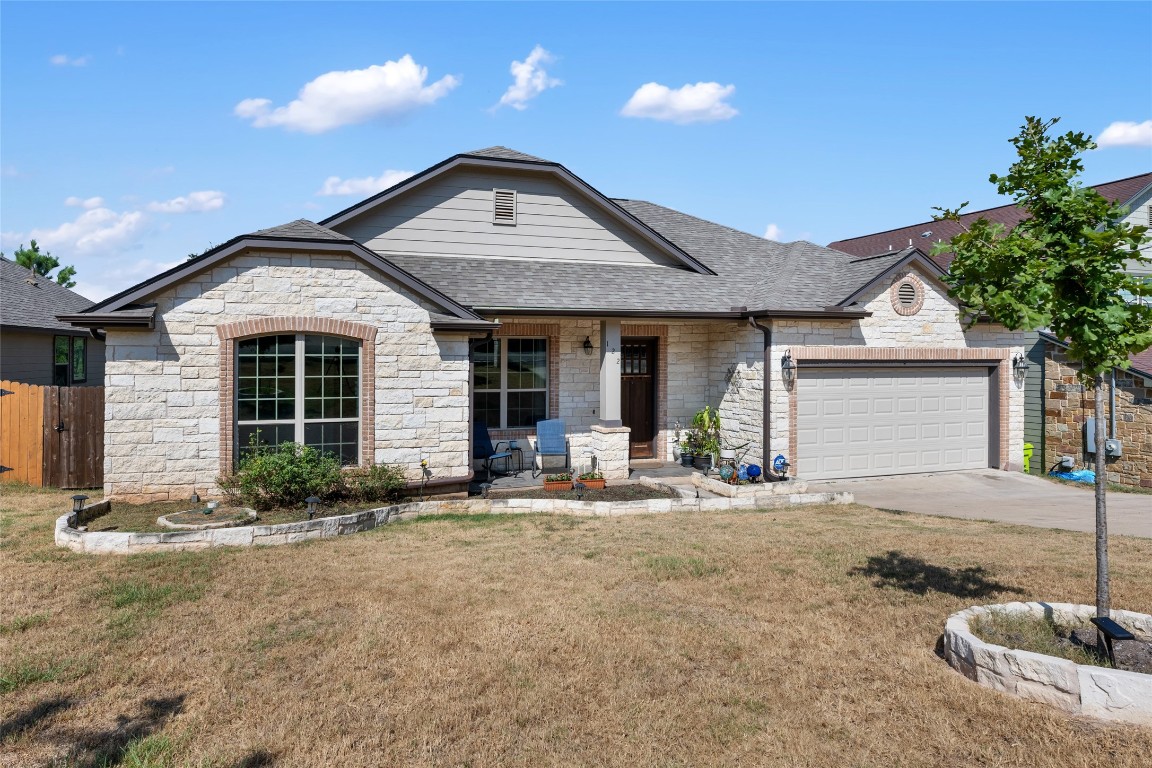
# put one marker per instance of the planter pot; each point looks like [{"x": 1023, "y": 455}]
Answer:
[
  {"x": 703, "y": 463},
  {"x": 686, "y": 459},
  {"x": 728, "y": 453},
  {"x": 594, "y": 485},
  {"x": 557, "y": 485}
]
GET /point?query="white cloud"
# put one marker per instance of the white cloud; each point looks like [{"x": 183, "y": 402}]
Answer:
[
  {"x": 95, "y": 231},
  {"x": 531, "y": 79},
  {"x": 699, "y": 103},
  {"x": 345, "y": 98},
  {"x": 99, "y": 278},
  {"x": 367, "y": 185},
  {"x": 194, "y": 202},
  {"x": 772, "y": 233},
  {"x": 64, "y": 60},
  {"x": 1126, "y": 133},
  {"x": 85, "y": 202}
]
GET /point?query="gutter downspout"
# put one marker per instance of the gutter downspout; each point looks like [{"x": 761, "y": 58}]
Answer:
[{"x": 767, "y": 407}]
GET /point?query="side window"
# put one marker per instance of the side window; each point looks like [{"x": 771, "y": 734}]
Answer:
[
  {"x": 79, "y": 360},
  {"x": 61, "y": 352}
]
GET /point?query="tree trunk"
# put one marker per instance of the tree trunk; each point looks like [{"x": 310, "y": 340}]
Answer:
[{"x": 1103, "y": 599}]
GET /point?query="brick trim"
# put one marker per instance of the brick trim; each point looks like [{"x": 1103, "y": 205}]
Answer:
[
  {"x": 907, "y": 278},
  {"x": 996, "y": 357},
  {"x": 230, "y": 333},
  {"x": 660, "y": 333},
  {"x": 551, "y": 332}
]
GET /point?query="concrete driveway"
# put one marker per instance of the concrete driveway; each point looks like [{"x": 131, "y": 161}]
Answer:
[{"x": 1006, "y": 497}]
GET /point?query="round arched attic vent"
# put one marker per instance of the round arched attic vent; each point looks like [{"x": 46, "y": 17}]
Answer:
[{"x": 907, "y": 295}]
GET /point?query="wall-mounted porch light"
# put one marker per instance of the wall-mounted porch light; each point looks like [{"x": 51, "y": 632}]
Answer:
[
  {"x": 788, "y": 367},
  {"x": 1020, "y": 365},
  {"x": 588, "y": 345}
]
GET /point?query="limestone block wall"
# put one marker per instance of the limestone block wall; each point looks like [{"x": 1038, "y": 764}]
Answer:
[
  {"x": 163, "y": 409},
  {"x": 1068, "y": 406},
  {"x": 934, "y": 327}
]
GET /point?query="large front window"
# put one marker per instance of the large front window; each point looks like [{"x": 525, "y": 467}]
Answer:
[
  {"x": 299, "y": 388},
  {"x": 510, "y": 382}
]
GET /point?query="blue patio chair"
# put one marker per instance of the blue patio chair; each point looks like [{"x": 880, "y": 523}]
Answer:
[
  {"x": 482, "y": 448},
  {"x": 551, "y": 440}
]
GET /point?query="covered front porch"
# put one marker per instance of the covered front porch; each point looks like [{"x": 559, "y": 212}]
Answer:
[{"x": 625, "y": 388}]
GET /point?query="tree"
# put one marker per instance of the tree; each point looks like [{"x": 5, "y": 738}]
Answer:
[
  {"x": 1062, "y": 268},
  {"x": 43, "y": 264}
]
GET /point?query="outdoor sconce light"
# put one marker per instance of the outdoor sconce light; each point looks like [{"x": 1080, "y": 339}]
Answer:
[
  {"x": 311, "y": 501},
  {"x": 78, "y": 502},
  {"x": 588, "y": 345},
  {"x": 1020, "y": 365},
  {"x": 788, "y": 367}
]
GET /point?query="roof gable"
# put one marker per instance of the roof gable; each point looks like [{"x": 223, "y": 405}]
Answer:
[
  {"x": 500, "y": 158},
  {"x": 291, "y": 237}
]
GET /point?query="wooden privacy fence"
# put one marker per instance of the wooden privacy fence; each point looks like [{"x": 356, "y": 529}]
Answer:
[{"x": 52, "y": 436}]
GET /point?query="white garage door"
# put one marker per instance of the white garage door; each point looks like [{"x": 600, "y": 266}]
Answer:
[{"x": 888, "y": 421}]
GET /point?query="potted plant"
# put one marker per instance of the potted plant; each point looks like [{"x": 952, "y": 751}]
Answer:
[
  {"x": 593, "y": 481},
  {"x": 706, "y": 427},
  {"x": 685, "y": 454},
  {"x": 561, "y": 481}
]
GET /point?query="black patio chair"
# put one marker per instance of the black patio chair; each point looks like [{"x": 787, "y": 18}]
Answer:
[{"x": 482, "y": 448}]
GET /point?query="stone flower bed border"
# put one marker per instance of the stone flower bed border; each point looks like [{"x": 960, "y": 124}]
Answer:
[
  {"x": 123, "y": 543},
  {"x": 1108, "y": 694}
]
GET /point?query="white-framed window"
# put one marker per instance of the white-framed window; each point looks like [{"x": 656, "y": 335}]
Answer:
[
  {"x": 300, "y": 388},
  {"x": 510, "y": 382}
]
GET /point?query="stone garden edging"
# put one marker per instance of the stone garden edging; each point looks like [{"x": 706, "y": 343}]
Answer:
[
  {"x": 1082, "y": 689},
  {"x": 69, "y": 536}
]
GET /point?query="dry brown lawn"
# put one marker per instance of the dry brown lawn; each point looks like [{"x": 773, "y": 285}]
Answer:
[{"x": 795, "y": 637}]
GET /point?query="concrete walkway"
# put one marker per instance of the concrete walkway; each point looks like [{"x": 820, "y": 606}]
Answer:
[{"x": 1006, "y": 497}]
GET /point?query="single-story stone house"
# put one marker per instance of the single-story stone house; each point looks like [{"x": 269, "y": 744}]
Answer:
[{"x": 499, "y": 287}]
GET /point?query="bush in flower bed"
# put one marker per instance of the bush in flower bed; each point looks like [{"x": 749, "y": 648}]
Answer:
[{"x": 284, "y": 475}]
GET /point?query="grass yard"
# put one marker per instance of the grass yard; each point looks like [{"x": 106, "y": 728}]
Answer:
[{"x": 794, "y": 637}]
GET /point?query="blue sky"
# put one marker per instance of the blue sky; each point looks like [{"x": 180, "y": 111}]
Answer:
[{"x": 132, "y": 134}]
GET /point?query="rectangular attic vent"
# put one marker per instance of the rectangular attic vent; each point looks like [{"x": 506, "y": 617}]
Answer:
[{"x": 504, "y": 206}]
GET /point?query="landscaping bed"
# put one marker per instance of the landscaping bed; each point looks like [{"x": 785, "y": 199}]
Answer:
[
  {"x": 141, "y": 518},
  {"x": 1074, "y": 642},
  {"x": 618, "y": 492}
]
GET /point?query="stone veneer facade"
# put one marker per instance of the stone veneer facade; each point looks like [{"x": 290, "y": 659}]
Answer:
[
  {"x": 1068, "y": 405},
  {"x": 168, "y": 393}
]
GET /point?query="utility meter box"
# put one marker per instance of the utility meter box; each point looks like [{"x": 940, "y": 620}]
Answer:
[{"x": 1113, "y": 449}]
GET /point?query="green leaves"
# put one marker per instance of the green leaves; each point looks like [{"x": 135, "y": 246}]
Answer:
[
  {"x": 1063, "y": 267},
  {"x": 43, "y": 264}
]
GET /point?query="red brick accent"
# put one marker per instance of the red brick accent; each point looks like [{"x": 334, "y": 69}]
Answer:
[
  {"x": 660, "y": 332},
  {"x": 907, "y": 278},
  {"x": 993, "y": 357},
  {"x": 230, "y": 333}
]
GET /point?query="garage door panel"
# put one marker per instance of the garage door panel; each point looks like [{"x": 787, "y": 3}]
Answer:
[{"x": 861, "y": 422}]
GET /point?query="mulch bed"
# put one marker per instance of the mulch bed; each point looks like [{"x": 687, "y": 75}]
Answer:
[
  {"x": 1131, "y": 655},
  {"x": 622, "y": 492}
]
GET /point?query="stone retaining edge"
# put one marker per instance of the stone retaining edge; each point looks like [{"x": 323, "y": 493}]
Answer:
[
  {"x": 117, "y": 543},
  {"x": 1082, "y": 689}
]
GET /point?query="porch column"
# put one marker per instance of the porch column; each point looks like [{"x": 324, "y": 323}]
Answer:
[{"x": 610, "y": 373}]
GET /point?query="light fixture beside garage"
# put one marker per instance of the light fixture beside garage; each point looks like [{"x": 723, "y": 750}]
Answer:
[
  {"x": 1020, "y": 365},
  {"x": 788, "y": 368}
]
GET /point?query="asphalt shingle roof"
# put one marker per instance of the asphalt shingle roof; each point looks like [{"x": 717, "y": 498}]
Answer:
[
  {"x": 751, "y": 272},
  {"x": 1122, "y": 190},
  {"x": 504, "y": 153},
  {"x": 302, "y": 229},
  {"x": 30, "y": 301}
]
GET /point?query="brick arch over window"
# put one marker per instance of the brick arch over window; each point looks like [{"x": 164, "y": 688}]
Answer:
[{"x": 230, "y": 333}]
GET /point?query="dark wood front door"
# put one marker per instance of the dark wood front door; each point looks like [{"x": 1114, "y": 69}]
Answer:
[{"x": 638, "y": 394}]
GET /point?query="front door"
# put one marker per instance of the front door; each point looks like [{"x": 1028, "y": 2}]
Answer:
[{"x": 638, "y": 394}]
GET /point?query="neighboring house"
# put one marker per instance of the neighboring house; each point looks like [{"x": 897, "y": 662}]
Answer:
[
  {"x": 1054, "y": 424},
  {"x": 35, "y": 347},
  {"x": 500, "y": 287}
]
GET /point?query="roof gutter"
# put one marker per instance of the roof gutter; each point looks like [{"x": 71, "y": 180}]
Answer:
[
  {"x": 827, "y": 313},
  {"x": 109, "y": 320},
  {"x": 609, "y": 312}
]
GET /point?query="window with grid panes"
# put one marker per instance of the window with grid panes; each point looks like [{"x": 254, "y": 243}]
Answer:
[
  {"x": 510, "y": 383},
  {"x": 299, "y": 388}
]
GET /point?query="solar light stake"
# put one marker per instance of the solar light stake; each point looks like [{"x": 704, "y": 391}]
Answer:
[
  {"x": 78, "y": 502},
  {"x": 311, "y": 501}
]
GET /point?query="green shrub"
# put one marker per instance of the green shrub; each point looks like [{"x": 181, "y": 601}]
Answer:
[
  {"x": 381, "y": 482},
  {"x": 283, "y": 476}
]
